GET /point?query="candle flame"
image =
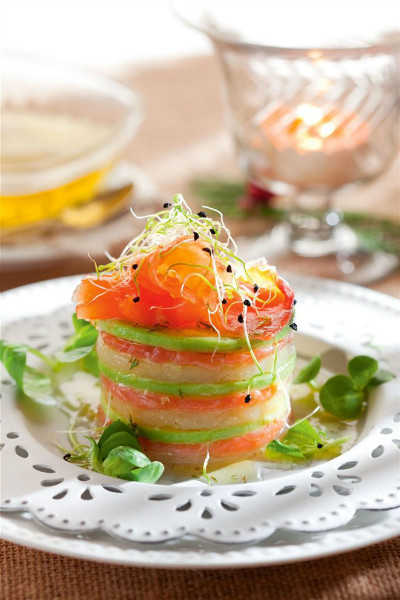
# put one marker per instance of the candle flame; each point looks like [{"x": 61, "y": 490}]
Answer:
[{"x": 309, "y": 114}]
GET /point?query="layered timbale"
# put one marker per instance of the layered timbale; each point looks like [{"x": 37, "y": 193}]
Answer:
[{"x": 194, "y": 347}]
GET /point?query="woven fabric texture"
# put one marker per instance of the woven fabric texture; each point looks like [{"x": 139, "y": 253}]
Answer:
[{"x": 369, "y": 574}]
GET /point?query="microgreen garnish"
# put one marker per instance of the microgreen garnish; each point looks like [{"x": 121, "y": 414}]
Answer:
[
  {"x": 304, "y": 442},
  {"x": 310, "y": 371},
  {"x": 134, "y": 363},
  {"x": 118, "y": 454},
  {"x": 345, "y": 395}
]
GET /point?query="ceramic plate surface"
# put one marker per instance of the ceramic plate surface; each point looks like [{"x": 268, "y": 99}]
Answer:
[{"x": 322, "y": 509}]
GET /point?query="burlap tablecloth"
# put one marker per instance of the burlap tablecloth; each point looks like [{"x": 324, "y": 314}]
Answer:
[
  {"x": 371, "y": 573},
  {"x": 183, "y": 136}
]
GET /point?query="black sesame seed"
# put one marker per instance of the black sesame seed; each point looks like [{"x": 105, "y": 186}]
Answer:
[
  {"x": 247, "y": 302},
  {"x": 167, "y": 204},
  {"x": 212, "y": 231},
  {"x": 293, "y": 326},
  {"x": 247, "y": 399},
  {"x": 206, "y": 250},
  {"x": 294, "y": 302},
  {"x": 136, "y": 299},
  {"x": 196, "y": 236},
  {"x": 135, "y": 266},
  {"x": 320, "y": 446},
  {"x": 229, "y": 269},
  {"x": 201, "y": 214},
  {"x": 240, "y": 318},
  {"x": 224, "y": 301},
  {"x": 67, "y": 456},
  {"x": 256, "y": 288}
]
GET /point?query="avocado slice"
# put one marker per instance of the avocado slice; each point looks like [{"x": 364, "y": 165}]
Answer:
[
  {"x": 198, "y": 436},
  {"x": 197, "y": 389},
  {"x": 180, "y": 341}
]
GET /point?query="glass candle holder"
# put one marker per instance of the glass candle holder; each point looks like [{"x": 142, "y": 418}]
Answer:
[{"x": 309, "y": 113}]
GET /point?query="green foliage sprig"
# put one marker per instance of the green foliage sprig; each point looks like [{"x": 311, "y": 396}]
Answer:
[
  {"x": 118, "y": 454},
  {"x": 344, "y": 396}
]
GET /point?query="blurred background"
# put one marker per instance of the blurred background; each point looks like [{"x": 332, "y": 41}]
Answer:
[{"x": 285, "y": 119}]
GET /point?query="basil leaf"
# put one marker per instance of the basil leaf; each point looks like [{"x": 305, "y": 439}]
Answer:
[
  {"x": 115, "y": 427},
  {"x": 13, "y": 357},
  {"x": 380, "y": 377},
  {"x": 122, "y": 459},
  {"x": 287, "y": 450},
  {"x": 310, "y": 371},
  {"x": 361, "y": 370},
  {"x": 149, "y": 474},
  {"x": 341, "y": 398},
  {"x": 121, "y": 438}
]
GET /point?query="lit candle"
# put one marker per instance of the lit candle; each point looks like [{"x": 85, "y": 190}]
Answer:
[{"x": 307, "y": 146}]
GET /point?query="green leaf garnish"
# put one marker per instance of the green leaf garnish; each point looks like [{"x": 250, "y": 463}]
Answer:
[
  {"x": 380, "y": 377},
  {"x": 361, "y": 370},
  {"x": 116, "y": 427},
  {"x": 81, "y": 345},
  {"x": 340, "y": 397},
  {"x": 122, "y": 438},
  {"x": 30, "y": 381},
  {"x": 13, "y": 357},
  {"x": 118, "y": 454},
  {"x": 304, "y": 442},
  {"x": 134, "y": 363},
  {"x": 343, "y": 396},
  {"x": 286, "y": 450},
  {"x": 148, "y": 474},
  {"x": 36, "y": 385},
  {"x": 122, "y": 459},
  {"x": 309, "y": 371}
]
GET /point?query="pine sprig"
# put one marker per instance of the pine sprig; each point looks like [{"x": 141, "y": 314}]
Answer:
[{"x": 375, "y": 233}]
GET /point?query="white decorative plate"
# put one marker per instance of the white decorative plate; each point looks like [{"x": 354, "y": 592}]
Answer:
[{"x": 322, "y": 509}]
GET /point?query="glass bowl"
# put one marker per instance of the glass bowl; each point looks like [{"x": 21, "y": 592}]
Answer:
[{"x": 63, "y": 128}]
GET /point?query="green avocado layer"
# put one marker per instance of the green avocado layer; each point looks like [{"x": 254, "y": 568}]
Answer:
[
  {"x": 199, "y": 436},
  {"x": 173, "y": 388},
  {"x": 175, "y": 341}
]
